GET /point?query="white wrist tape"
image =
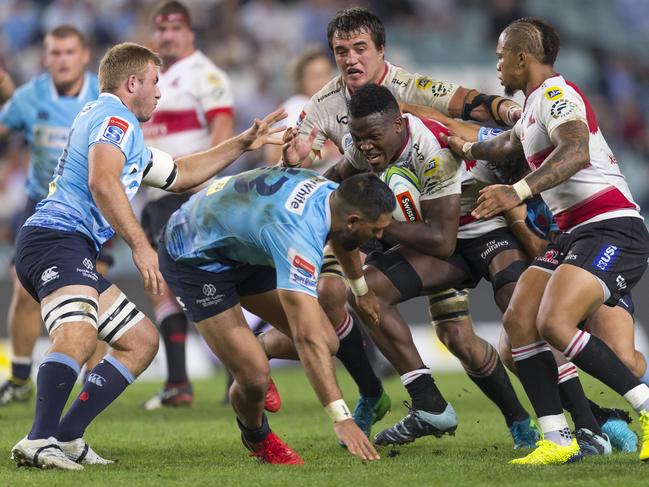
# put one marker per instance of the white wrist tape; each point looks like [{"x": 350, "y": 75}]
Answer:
[
  {"x": 338, "y": 411},
  {"x": 522, "y": 190},
  {"x": 359, "y": 286},
  {"x": 466, "y": 150}
]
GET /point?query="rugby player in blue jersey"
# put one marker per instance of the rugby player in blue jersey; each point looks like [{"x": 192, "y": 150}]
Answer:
[
  {"x": 43, "y": 110},
  {"x": 101, "y": 168},
  {"x": 256, "y": 240}
]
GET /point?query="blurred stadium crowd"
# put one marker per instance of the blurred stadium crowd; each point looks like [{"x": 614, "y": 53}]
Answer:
[{"x": 602, "y": 51}]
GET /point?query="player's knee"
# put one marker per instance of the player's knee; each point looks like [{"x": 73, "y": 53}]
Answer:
[
  {"x": 458, "y": 337},
  {"x": 505, "y": 352},
  {"x": 517, "y": 319},
  {"x": 253, "y": 382},
  {"x": 23, "y": 298},
  {"x": 149, "y": 340},
  {"x": 332, "y": 296}
]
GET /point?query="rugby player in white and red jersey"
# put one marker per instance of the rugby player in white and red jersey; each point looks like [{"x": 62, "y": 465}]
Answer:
[
  {"x": 603, "y": 245},
  {"x": 356, "y": 37},
  {"x": 194, "y": 114}
]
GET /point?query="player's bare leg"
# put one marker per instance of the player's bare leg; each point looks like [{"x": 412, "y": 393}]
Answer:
[{"x": 229, "y": 337}]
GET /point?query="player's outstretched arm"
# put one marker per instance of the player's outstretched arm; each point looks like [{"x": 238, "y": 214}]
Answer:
[
  {"x": 470, "y": 104},
  {"x": 105, "y": 164},
  {"x": 570, "y": 155},
  {"x": 305, "y": 319},
  {"x": 467, "y": 131},
  {"x": 197, "y": 168},
  {"x": 504, "y": 146}
]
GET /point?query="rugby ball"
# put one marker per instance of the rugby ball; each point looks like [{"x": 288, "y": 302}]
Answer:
[{"x": 405, "y": 186}]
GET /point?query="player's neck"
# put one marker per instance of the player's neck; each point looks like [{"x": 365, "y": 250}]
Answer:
[
  {"x": 167, "y": 63},
  {"x": 537, "y": 76},
  {"x": 72, "y": 89}
]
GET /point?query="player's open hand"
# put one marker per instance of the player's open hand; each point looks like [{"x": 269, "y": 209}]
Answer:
[
  {"x": 262, "y": 131},
  {"x": 369, "y": 308},
  {"x": 454, "y": 143},
  {"x": 146, "y": 261},
  {"x": 355, "y": 440},
  {"x": 296, "y": 148},
  {"x": 495, "y": 199}
]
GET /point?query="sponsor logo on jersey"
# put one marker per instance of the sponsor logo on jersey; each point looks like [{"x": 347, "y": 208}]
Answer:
[
  {"x": 492, "y": 246},
  {"x": 550, "y": 256},
  {"x": 424, "y": 83},
  {"x": 553, "y": 93},
  {"x": 347, "y": 141},
  {"x": 49, "y": 274},
  {"x": 431, "y": 167},
  {"x": 606, "y": 257},
  {"x": 87, "y": 263},
  {"x": 621, "y": 283},
  {"x": 217, "y": 185},
  {"x": 562, "y": 108},
  {"x": 570, "y": 256},
  {"x": 327, "y": 95},
  {"x": 115, "y": 129},
  {"x": 209, "y": 290},
  {"x": 342, "y": 119},
  {"x": 408, "y": 207},
  {"x": 440, "y": 89},
  {"x": 211, "y": 298},
  {"x": 400, "y": 82},
  {"x": 299, "y": 197},
  {"x": 302, "y": 272}
]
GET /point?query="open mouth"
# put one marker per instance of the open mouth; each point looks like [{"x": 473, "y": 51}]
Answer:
[{"x": 353, "y": 72}]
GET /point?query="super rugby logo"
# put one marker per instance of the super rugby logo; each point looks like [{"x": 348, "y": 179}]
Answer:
[
  {"x": 606, "y": 257},
  {"x": 302, "y": 272},
  {"x": 115, "y": 130},
  {"x": 407, "y": 204}
]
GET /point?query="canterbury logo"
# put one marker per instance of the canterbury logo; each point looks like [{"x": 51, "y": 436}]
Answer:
[{"x": 49, "y": 274}]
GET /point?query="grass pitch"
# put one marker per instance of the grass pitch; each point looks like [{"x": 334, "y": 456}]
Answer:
[{"x": 200, "y": 445}]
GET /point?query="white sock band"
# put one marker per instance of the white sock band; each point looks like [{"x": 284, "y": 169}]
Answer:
[
  {"x": 577, "y": 344},
  {"x": 408, "y": 377},
  {"x": 638, "y": 396},
  {"x": 345, "y": 327},
  {"x": 554, "y": 422},
  {"x": 527, "y": 351},
  {"x": 567, "y": 372}
]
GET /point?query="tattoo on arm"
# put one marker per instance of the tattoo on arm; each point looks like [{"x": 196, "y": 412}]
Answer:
[
  {"x": 570, "y": 156},
  {"x": 506, "y": 146}
]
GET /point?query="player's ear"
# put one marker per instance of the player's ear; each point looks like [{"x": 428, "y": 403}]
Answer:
[
  {"x": 131, "y": 83},
  {"x": 353, "y": 219}
]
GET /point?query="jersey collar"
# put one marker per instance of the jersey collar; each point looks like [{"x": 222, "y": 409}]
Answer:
[{"x": 54, "y": 93}]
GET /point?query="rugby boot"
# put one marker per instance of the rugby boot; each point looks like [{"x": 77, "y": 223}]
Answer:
[
  {"x": 549, "y": 453},
  {"x": 418, "y": 423},
  {"x": 644, "y": 423},
  {"x": 172, "y": 395},
  {"x": 272, "y": 400},
  {"x": 80, "y": 452},
  {"x": 272, "y": 450},
  {"x": 615, "y": 424},
  {"x": 525, "y": 433},
  {"x": 592, "y": 444},
  {"x": 16, "y": 390},
  {"x": 43, "y": 453},
  {"x": 370, "y": 410}
]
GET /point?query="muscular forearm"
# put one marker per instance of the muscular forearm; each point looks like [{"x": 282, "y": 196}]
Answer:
[
  {"x": 318, "y": 365},
  {"x": 423, "y": 237},
  {"x": 531, "y": 242},
  {"x": 197, "y": 168},
  {"x": 115, "y": 207},
  {"x": 350, "y": 261},
  {"x": 501, "y": 147},
  {"x": 565, "y": 161}
]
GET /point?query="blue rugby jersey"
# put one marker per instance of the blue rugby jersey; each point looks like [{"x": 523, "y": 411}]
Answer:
[
  {"x": 277, "y": 217},
  {"x": 69, "y": 205},
  {"x": 45, "y": 117}
]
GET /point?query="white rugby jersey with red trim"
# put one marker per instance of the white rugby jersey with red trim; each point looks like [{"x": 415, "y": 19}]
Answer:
[
  {"x": 193, "y": 91},
  {"x": 424, "y": 153},
  {"x": 327, "y": 109},
  {"x": 596, "y": 192}
]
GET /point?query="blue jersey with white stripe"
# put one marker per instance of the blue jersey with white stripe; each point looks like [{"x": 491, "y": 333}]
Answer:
[
  {"x": 69, "y": 205},
  {"x": 271, "y": 216},
  {"x": 45, "y": 117}
]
